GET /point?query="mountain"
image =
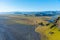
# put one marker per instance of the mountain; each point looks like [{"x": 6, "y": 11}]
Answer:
[
  {"x": 48, "y": 13},
  {"x": 43, "y": 13}
]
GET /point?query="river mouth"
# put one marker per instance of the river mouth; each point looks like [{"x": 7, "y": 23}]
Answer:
[
  {"x": 17, "y": 31},
  {"x": 23, "y": 32}
]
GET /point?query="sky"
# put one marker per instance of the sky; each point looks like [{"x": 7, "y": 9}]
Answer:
[{"x": 29, "y": 5}]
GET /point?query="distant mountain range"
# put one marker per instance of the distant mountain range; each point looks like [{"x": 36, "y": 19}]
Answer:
[
  {"x": 48, "y": 13},
  {"x": 44, "y": 13}
]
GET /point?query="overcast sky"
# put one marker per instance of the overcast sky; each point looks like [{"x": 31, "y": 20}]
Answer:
[{"x": 29, "y": 5}]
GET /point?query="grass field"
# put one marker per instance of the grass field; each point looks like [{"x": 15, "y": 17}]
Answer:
[{"x": 28, "y": 20}]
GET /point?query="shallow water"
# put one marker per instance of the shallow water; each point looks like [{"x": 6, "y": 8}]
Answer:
[{"x": 17, "y": 31}]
